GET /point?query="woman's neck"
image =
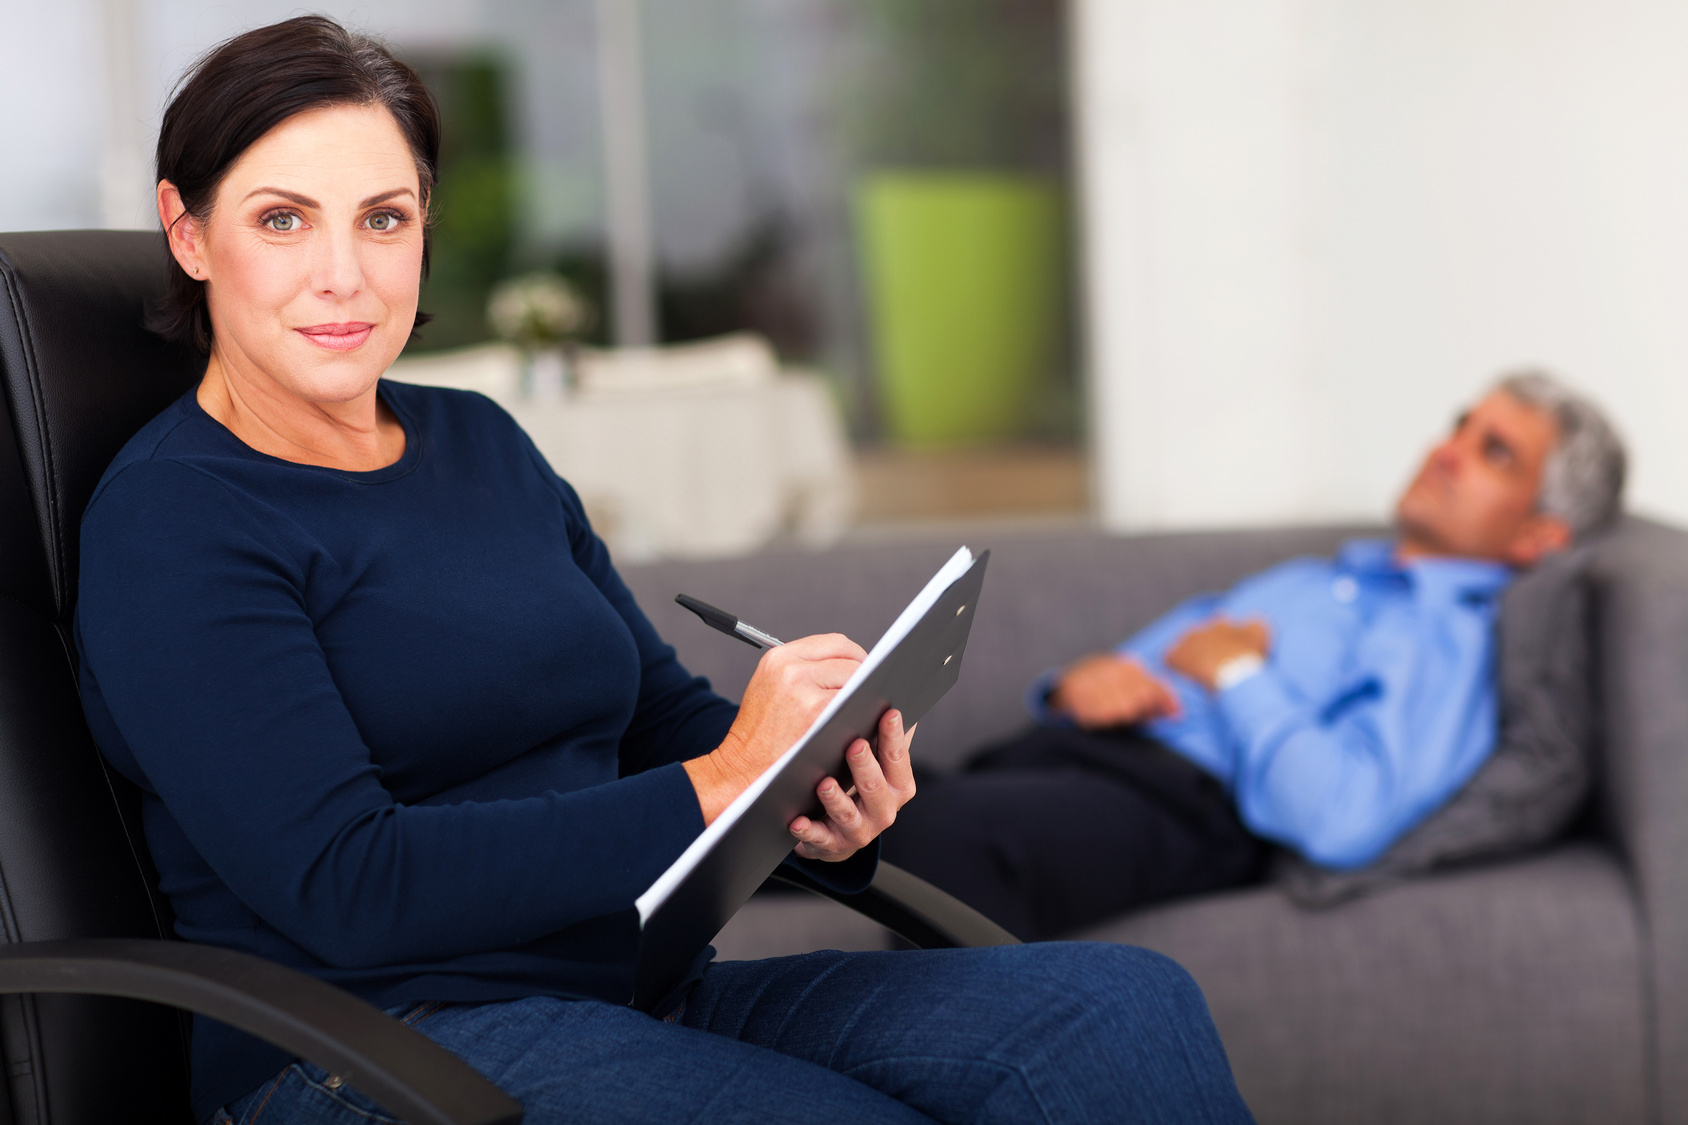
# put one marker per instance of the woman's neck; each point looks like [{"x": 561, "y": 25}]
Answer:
[{"x": 358, "y": 435}]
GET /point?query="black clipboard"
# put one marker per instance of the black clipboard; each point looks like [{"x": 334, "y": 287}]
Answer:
[{"x": 912, "y": 676}]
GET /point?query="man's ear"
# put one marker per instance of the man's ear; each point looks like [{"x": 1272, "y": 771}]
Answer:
[
  {"x": 181, "y": 230},
  {"x": 1540, "y": 536}
]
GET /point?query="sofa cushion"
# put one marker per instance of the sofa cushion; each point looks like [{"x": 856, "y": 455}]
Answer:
[
  {"x": 1537, "y": 778},
  {"x": 1507, "y": 993}
]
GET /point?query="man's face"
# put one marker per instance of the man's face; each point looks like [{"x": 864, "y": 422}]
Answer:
[{"x": 1475, "y": 495}]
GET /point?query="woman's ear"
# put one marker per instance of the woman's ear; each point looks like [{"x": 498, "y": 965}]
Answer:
[{"x": 182, "y": 231}]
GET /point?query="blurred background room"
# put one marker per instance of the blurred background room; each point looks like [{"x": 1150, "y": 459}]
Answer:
[{"x": 774, "y": 272}]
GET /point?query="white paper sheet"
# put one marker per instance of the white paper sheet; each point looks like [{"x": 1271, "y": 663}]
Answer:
[{"x": 659, "y": 891}]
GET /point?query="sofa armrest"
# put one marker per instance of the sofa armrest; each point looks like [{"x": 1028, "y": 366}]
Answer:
[
  {"x": 1639, "y": 579},
  {"x": 911, "y": 908},
  {"x": 400, "y": 1068}
]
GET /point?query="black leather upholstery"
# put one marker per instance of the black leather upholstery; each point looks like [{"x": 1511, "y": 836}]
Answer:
[{"x": 81, "y": 374}]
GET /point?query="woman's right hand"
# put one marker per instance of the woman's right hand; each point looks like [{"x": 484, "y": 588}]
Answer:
[{"x": 792, "y": 685}]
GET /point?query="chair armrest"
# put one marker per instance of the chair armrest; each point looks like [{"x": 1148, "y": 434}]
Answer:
[
  {"x": 403, "y": 1070},
  {"x": 911, "y": 908}
]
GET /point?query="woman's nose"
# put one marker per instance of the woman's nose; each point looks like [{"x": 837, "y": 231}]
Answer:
[{"x": 337, "y": 270}]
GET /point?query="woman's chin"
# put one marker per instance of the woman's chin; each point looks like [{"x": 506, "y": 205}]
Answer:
[
  {"x": 331, "y": 376},
  {"x": 344, "y": 383}
]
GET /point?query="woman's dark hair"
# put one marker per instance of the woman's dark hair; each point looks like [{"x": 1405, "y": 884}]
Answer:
[{"x": 243, "y": 88}]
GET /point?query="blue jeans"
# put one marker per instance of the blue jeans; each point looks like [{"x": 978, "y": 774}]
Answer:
[{"x": 1064, "y": 1032}]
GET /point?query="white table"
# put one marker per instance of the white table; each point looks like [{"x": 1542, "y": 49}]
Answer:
[{"x": 693, "y": 471}]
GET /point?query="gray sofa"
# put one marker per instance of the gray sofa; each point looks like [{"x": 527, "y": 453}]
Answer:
[{"x": 1547, "y": 988}]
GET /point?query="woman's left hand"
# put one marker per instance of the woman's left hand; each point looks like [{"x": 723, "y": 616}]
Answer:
[{"x": 884, "y": 782}]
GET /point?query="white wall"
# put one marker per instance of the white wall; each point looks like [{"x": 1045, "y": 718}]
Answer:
[
  {"x": 86, "y": 82},
  {"x": 1314, "y": 227}
]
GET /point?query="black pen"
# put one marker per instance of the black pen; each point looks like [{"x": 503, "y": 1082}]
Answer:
[{"x": 727, "y": 623}]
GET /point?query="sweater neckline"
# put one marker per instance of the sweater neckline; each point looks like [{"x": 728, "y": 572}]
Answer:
[{"x": 402, "y": 467}]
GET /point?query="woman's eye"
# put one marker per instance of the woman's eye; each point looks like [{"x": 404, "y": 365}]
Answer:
[
  {"x": 283, "y": 222},
  {"x": 383, "y": 220}
]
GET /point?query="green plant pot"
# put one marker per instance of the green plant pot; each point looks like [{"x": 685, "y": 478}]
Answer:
[{"x": 964, "y": 277}]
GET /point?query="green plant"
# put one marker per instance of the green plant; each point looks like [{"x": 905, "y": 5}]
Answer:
[{"x": 474, "y": 203}]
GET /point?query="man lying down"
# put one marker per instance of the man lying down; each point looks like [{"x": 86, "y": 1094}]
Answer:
[{"x": 1330, "y": 707}]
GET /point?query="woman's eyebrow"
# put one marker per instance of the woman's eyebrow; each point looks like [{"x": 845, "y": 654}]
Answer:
[
  {"x": 290, "y": 196},
  {"x": 386, "y": 195},
  {"x": 307, "y": 201}
]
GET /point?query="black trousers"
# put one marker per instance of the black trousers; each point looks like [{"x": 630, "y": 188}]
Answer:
[{"x": 1055, "y": 829}]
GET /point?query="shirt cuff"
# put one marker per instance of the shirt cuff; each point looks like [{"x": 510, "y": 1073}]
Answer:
[{"x": 1256, "y": 704}]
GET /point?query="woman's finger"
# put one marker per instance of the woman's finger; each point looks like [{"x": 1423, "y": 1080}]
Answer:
[
  {"x": 894, "y": 758},
  {"x": 878, "y": 802},
  {"x": 800, "y": 676},
  {"x": 842, "y": 812},
  {"x": 824, "y": 839},
  {"x": 823, "y": 646},
  {"x": 832, "y": 674},
  {"x": 815, "y": 839},
  {"x": 883, "y": 781}
]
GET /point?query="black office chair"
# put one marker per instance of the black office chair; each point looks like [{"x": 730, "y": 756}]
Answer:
[{"x": 85, "y": 934}]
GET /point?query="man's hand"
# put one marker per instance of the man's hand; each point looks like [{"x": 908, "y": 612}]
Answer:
[
  {"x": 1106, "y": 690},
  {"x": 883, "y": 783},
  {"x": 1200, "y": 652}
]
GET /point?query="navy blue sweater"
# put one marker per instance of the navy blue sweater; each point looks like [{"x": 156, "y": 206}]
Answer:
[{"x": 405, "y": 730}]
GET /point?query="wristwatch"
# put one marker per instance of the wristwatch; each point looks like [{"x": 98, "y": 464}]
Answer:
[{"x": 1237, "y": 669}]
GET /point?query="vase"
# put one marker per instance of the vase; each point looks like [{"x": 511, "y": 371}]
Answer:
[
  {"x": 545, "y": 377},
  {"x": 964, "y": 277}
]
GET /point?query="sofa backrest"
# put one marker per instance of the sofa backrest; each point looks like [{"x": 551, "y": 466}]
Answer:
[{"x": 1047, "y": 600}]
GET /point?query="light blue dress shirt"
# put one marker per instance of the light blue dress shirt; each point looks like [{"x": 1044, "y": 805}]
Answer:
[{"x": 1376, "y": 702}]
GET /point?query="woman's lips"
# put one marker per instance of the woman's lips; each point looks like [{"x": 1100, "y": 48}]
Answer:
[{"x": 337, "y": 337}]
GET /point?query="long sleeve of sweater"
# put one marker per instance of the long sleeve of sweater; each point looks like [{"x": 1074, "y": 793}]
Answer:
[{"x": 229, "y": 709}]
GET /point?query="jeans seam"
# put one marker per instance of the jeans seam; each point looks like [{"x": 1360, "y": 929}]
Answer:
[
  {"x": 421, "y": 1012},
  {"x": 274, "y": 1086}
]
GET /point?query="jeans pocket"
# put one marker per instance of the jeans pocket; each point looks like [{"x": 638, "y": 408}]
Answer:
[
  {"x": 304, "y": 1094},
  {"x": 334, "y": 1089}
]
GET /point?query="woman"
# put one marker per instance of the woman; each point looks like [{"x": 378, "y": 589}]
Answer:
[{"x": 399, "y": 724}]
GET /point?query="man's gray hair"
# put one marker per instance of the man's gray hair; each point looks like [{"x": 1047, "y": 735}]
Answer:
[{"x": 1583, "y": 480}]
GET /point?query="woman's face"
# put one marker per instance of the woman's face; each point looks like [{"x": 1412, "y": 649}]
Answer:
[{"x": 313, "y": 254}]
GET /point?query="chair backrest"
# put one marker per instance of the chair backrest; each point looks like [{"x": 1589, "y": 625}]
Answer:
[{"x": 80, "y": 375}]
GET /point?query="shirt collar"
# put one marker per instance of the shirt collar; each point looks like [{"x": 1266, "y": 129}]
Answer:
[{"x": 1435, "y": 578}]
